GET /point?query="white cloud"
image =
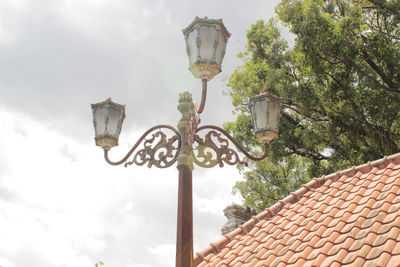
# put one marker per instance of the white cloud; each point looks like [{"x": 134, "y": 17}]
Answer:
[
  {"x": 6, "y": 263},
  {"x": 165, "y": 254},
  {"x": 44, "y": 221}
]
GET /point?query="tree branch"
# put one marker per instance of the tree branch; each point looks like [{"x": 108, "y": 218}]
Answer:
[
  {"x": 264, "y": 195},
  {"x": 347, "y": 61},
  {"x": 379, "y": 71},
  {"x": 317, "y": 157}
]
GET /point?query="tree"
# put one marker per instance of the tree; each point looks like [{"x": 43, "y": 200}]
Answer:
[{"x": 340, "y": 85}]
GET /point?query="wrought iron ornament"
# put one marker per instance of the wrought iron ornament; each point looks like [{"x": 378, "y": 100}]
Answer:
[
  {"x": 214, "y": 150},
  {"x": 160, "y": 155},
  {"x": 158, "y": 150},
  {"x": 186, "y": 145}
]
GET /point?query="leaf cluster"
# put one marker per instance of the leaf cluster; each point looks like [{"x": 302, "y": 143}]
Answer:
[{"x": 340, "y": 82}]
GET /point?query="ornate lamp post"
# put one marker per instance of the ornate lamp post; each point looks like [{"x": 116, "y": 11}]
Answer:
[{"x": 163, "y": 145}]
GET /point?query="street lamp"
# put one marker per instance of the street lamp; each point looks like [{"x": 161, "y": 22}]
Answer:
[
  {"x": 265, "y": 112},
  {"x": 107, "y": 120},
  {"x": 206, "y": 41},
  {"x": 163, "y": 145}
]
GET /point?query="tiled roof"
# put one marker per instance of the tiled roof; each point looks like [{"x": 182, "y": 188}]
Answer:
[{"x": 350, "y": 217}]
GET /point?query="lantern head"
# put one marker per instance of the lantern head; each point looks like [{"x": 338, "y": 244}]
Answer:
[
  {"x": 107, "y": 120},
  {"x": 206, "y": 41},
  {"x": 265, "y": 114}
]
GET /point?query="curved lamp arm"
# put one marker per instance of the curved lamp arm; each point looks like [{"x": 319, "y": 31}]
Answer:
[
  {"x": 159, "y": 155},
  {"x": 222, "y": 151},
  {"x": 203, "y": 97}
]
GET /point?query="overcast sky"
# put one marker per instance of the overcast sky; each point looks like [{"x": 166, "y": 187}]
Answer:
[{"x": 61, "y": 204}]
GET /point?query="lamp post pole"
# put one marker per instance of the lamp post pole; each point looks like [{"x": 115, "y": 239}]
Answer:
[
  {"x": 186, "y": 126},
  {"x": 184, "y": 237},
  {"x": 163, "y": 145}
]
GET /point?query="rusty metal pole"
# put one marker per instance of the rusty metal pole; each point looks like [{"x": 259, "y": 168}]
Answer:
[
  {"x": 184, "y": 237},
  {"x": 187, "y": 126}
]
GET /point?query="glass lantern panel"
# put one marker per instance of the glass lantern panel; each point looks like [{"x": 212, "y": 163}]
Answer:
[
  {"x": 100, "y": 119},
  {"x": 274, "y": 112},
  {"x": 220, "y": 53},
  {"x": 208, "y": 35},
  {"x": 114, "y": 119},
  {"x": 261, "y": 118},
  {"x": 191, "y": 42}
]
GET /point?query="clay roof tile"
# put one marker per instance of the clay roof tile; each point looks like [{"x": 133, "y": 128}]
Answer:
[{"x": 345, "y": 218}]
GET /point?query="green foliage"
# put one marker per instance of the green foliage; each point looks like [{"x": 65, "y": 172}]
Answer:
[
  {"x": 100, "y": 263},
  {"x": 270, "y": 181},
  {"x": 340, "y": 82}
]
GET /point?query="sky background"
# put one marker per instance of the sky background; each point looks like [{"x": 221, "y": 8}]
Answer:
[{"x": 61, "y": 204}]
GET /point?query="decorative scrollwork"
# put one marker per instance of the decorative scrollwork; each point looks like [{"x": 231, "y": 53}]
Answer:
[
  {"x": 211, "y": 153},
  {"x": 158, "y": 150},
  {"x": 158, "y": 155}
]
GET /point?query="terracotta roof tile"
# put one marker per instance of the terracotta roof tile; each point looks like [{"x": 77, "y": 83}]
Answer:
[
  {"x": 351, "y": 217},
  {"x": 359, "y": 261},
  {"x": 394, "y": 261}
]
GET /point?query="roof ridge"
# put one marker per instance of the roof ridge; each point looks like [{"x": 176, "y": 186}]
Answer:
[{"x": 292, "y": 198}]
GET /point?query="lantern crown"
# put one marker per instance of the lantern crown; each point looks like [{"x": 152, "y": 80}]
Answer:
[{"x": 206, "y": 41}]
